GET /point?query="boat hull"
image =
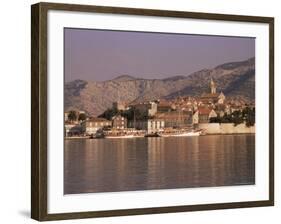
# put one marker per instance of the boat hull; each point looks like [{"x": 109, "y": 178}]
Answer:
[
  {"x": 187, "y": 134},
  {"x": 126, "y": 136}
]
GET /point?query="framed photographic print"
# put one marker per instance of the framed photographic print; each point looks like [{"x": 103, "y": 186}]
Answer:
[{"x": 140, "y": 111}]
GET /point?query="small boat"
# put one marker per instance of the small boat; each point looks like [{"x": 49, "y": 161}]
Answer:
[
  {"x": 120, "y": 136},
  {"x": 152, "y": 135},
  {"x": 182, "y": 134},
  {"x": 192, "y": 133},
  {"x": 97, "y": 135}
]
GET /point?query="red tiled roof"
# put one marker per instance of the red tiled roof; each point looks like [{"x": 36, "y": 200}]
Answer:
[
  {"x": 210, "y": 95},
  {"x": 204, "y": 111},
  {"x": 98, "y": 119},
  {"x": 164, "y": 104}
]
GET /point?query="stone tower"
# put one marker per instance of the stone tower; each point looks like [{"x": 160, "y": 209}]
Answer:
[{"x": 213, "y": 86}]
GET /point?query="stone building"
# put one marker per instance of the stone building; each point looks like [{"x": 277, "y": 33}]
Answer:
[
  {"x": 92, "y": 125},
  {"x": 150, "y": 108},
  {"x": 150, "y": 125},
  {"x": 175, "y": 119},
  {"x": 119, "y": 105},
  {"x": 119, "y": 122},
  {"x": 212, "y": 97},
  {"x": 203, "y": 115}
]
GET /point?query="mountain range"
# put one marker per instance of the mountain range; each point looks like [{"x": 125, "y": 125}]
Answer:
[{"x": 234, "y": 79}]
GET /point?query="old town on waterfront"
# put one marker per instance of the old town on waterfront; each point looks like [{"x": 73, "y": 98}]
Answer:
[
  {"x": 147, "y": 111},
  {"x": 210, "y": 113}
]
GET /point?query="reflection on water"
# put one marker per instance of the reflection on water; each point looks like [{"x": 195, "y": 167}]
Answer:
[{"x": 103, "y": 165}]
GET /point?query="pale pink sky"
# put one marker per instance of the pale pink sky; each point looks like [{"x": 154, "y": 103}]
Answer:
[{"x": 102, "y": 55}]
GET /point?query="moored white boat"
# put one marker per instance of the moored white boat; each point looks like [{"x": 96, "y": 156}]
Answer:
[
  {"x": 120, "y": 136},
  {"x": 181, "y": 134}
]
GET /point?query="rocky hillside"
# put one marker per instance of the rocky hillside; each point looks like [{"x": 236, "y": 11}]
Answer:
[{"x": 234, "y": 79}]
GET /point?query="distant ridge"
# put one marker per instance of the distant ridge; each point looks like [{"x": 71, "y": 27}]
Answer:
[
  {"x": 235, "y": 79},
  {"x": 232, "y": 65},
  {"x": 124, "y": 78}
]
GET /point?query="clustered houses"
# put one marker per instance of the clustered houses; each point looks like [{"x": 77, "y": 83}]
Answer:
[
  {"x": 92, "y": 125},
  {"x": 158, "y": 115},
  {"x": 209, "y": 105}
]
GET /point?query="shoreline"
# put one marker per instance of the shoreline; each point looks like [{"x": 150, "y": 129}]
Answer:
[{"x": 88, "y": 137}]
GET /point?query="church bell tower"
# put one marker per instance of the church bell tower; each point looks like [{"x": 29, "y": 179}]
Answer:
[{"x": 213, "y": 86}]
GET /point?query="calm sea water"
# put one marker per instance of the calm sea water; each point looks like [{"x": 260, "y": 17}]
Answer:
[{"x": 107, "y": 165}]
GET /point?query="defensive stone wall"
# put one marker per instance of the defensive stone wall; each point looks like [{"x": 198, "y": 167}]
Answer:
[{"x": 226, "y": 128}]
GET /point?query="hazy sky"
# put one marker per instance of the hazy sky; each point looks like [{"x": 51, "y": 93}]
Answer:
[{"x": 102, "y": 55}]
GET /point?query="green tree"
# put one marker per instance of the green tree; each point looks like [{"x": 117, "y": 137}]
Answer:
[
  {"x": 82, "y": 117},
  {"x": 217, "y": 119},
  {"x": 226, "y": 118},
  {"x": 249, "y": 116},
  {"x": 237, "y": 117},
  {"x": 141, "y": 115},
  {"x": 109, "y": 113},
  {"x": 129, "y": 114},
  {"x": 72, "y": 116}
]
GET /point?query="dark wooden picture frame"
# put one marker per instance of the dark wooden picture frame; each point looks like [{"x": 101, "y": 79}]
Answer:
[{"x": 39, "y": 202}]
